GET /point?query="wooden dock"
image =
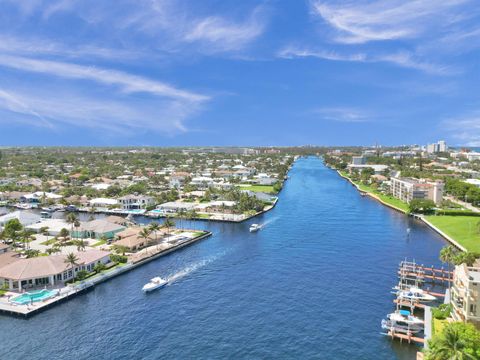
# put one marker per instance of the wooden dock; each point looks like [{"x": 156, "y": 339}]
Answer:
[{"x": 406, "y": 337}]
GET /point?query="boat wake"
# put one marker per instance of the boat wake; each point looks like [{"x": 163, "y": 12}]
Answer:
[
  {"x": 193, "y": 267},
  {"x": 268, "y": 222}
]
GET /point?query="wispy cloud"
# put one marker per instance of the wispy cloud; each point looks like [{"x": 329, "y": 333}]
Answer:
[
  {"x": 225, "y": 34},
  {"x": 365, "y": 21},
  {"x": 127, "y": 82},
  {"x": 466, "y": 129},
  {"x": 343, "y": 114},
  {"x": 402, "y": 59},
  {"x": 54, "y": 109}
]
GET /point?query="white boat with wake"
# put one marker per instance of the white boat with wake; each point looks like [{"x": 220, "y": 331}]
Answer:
[
  {"x": 255, "y": 227},
  {"x": 155, "y": 283}
]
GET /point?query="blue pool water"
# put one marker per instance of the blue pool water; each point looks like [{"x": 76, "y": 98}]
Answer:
[
  {"x": 33, "y": 296},
  {"x": 314, "y": 283}
]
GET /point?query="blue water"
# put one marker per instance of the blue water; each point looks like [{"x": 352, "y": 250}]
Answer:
[{"x": 314, "y": 283}]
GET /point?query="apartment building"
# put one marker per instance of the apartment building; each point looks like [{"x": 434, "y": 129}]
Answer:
[
  {"x": 407, "y": 189},
  {"x": 465, "y": 296}
]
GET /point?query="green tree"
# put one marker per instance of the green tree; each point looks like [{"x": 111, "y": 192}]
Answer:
[
  {"x": 71, "y": 259},
  {"x": 447, "y": 255},
  {"x": 120, "y": 249},
  {"x": 457, "y": 341},
  {"x": 154, "y": 227},
  {"x": 99, "y": 267},
  {"x": 421, "y": 206},
  {"x": 168, "y": 224},
  {"x": 81, "y": 244},
  {"x": 71, "y": 219}
]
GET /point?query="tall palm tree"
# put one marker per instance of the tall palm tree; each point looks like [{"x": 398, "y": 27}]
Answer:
[
  {"x": 154, "y": 227},
  {"x": 449, "y": 347},
  {"x": 121, "y": 249},
  {"x": 71, "y": 219},
  {"x": 71, "y": 259},
  {"x": 145, "y": 234},
  {"x": 168, "y": 224},
  {"x": 447, "y": 255}
]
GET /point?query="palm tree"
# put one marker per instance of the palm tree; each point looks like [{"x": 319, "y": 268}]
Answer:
[
  {"x": 120, "y": 249},
  {"x": 44, "y": 231},
  {"x": 447, "y": 255},
  {"x": 154, "y": 227},
  {"x": 168, "y": 224},
  {"x": 71, "y": 259},
  {"x": 145, "y": 234},
  {"x": 81, "y": 245},
  {"x": 26, "y": 236},
  {"x": 450, "y": 346},
  {"x": 71, "y": 219}
]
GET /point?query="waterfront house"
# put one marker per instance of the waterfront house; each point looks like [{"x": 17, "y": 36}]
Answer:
[
  {"x": 135, "y": 202},
  {"x": 48, "y": 270},
  {"x": 103, "y": 202},
  {"x": 465, "y": 296},
  {"x": 378, "y": 169},
  {"x": 97, "y": 229},
  {"x": 131, "y": 238}
]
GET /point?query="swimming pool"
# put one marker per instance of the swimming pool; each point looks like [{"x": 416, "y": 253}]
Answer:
[{"x": 33, "y": 296}]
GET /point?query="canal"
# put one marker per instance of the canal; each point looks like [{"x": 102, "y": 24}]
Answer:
[{"x": 314, "y": 283}]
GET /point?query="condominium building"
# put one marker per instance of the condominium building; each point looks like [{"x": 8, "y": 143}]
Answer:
[
  {"x": 407, "y": 189},
  {"x": 465, "y": 296},
  {"x": 440, "y": 146},
  {"x": 359, "y": 160}
]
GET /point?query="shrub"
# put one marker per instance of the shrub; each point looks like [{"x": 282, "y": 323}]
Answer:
[
  {"x": 118, "y": 258},
  {"x": 81, "y": 275},
  {"x": 457, "y": 213},
  {"x": 442, "y": 311}
]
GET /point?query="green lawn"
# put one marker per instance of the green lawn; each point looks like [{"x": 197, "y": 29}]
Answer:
[
  {"x": 463, "y": 229},
  {"x": 98, "y": 243},
  {"x": 258, "y": 188},
  {"x": 386, "y": 198}
]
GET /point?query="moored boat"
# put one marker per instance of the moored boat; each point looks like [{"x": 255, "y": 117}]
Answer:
[{"x": 416, "y": 294}]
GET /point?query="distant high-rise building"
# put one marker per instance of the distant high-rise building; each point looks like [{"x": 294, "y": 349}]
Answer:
[{"x": 440, "y": 146}]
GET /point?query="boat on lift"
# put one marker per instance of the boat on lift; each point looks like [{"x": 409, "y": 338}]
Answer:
[
  {"x": 403, "y": 321},
  {"x": 416, "y": 294},
  {"x": 155, "y": 283}
]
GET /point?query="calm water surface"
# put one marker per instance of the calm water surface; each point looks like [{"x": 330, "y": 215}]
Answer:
[{"x": 313, "y": 284}]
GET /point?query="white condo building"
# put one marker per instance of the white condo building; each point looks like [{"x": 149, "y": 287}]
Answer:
[{"x": 407, "y": 189}]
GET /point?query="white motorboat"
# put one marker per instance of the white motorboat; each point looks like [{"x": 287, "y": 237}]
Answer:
[
  {"x": 155, "y": 283},
  {"x": 416, "y": 294},
  {"x": 255, "y": 227},
  {"x": 403, "y": 321}
]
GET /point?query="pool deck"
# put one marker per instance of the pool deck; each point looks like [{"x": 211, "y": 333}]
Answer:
[{"x": 69, "y": 291}]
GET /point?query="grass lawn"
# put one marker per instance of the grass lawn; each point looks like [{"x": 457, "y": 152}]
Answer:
[
  {"x": 258, "y": 188},
  {"x": 49, "y": 241},
  {"x": 386, "y": 198},
  {"x": 98, "y": 243},
  {"x": 460, "y": 228}
]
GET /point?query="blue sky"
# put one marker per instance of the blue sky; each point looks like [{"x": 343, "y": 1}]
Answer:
[{"x": 285, "y": 72}]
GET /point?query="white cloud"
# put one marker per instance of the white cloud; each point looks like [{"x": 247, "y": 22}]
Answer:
[
  {"x": 402, "y": 59},
  {"x": 364, "y": 21},
  {"x": 53, "y": 109},
  {"x": 343, "y": 114},
  {"x": 225, "y": 35},
  {"x": 465, "y": 129},
  {"x": 127, "y": 82}
]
